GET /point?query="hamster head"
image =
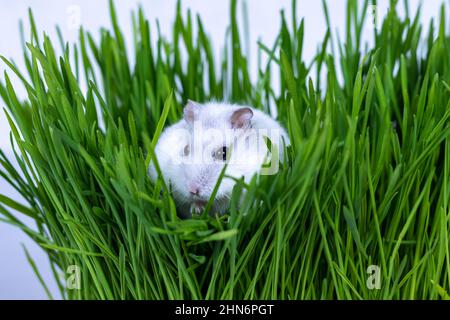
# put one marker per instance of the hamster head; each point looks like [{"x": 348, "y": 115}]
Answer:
[{"x": 195, "y": 151}]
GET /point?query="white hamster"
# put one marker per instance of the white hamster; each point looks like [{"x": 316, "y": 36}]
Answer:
[{"x": 192, "y": 152}]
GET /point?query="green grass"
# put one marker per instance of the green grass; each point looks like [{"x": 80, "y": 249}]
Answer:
[{"x": 367, "y": 181}]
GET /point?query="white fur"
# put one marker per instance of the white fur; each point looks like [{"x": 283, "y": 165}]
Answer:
[{"x": 246, "y": 155}]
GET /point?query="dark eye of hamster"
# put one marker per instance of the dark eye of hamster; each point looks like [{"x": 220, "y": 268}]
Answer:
[
  {"x": 186, "y": 150},
  {"x": 221, "y": 154}
]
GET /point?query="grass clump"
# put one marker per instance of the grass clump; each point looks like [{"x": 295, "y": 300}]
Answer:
[{"x": 367, "y": 180}]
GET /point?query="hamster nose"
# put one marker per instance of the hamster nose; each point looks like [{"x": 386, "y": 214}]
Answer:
[{"x": 194, "y": 190}]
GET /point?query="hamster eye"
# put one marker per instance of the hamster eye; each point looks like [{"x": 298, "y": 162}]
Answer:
[
  {"x": 221, "y": 154},
  {"x": 186, "y": 150}
]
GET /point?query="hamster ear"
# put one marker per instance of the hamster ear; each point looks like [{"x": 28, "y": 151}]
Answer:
[
  {"x": 240, "y": 119},
  {"x": 191, "y": 111}
]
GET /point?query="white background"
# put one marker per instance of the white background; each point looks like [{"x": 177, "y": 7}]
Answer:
[{"x": 17, "y": 280}]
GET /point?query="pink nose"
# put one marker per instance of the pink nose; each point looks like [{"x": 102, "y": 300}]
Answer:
[{"x": 194, "y": 190}]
